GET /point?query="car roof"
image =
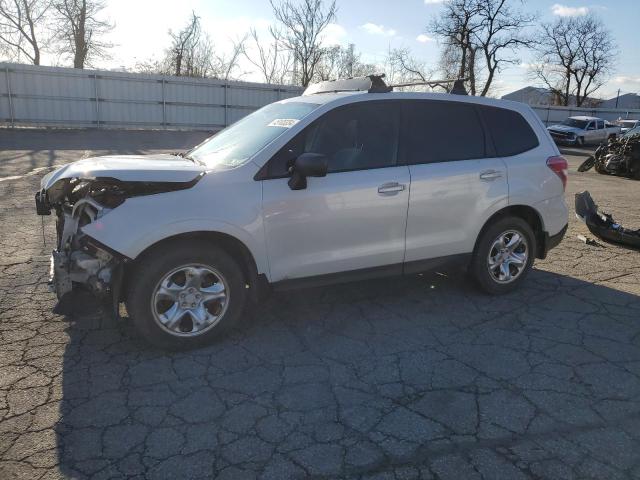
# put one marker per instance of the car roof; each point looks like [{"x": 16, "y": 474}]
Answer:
[
  {"x": 585, "y": 117},
  {"x": 352, "y": 97}
]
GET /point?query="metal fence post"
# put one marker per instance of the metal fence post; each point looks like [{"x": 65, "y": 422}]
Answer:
[
  {"x": 95, "y": 88},
  {"x": 226, "y": 104},
  {"x": 11, "y": 112},
  {"x": 164, "y": 105}
]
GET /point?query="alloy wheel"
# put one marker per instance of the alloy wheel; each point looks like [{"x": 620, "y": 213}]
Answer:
[
  {"x": 508, "y": 256},
  {"x": 190, "y": 300}
]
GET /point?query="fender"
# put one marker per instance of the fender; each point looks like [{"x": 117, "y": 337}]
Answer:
[{"x": 143, "y": 221}]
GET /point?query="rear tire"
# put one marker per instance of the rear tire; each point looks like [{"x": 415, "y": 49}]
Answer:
[
  {"x": 184, "y": 295},
  {"x": 497, "y": 265}
]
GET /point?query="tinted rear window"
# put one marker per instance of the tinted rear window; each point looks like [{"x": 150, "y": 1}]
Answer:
[
  {"x": 438, "y": 131},
  {"x": 511, "y": 133}
]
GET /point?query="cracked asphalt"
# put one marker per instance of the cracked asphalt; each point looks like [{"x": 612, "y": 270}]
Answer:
[{"x": 417, "y": 377}]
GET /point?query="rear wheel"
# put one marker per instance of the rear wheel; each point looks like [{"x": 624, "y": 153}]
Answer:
[
  {"x": 184, "y": 295},
  {"x": 504, "y": 255}
]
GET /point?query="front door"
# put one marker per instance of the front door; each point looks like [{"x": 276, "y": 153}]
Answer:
[{"x": 355, "y": 217}]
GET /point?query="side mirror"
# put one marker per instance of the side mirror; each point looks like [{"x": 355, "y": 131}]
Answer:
[{"x": 307, "y": 165}]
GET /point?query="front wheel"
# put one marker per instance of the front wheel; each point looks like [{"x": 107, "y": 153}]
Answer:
[
  {"x": 185, "y": 294},
  {"x": 580, "y": 141},
  {"x": 504, "y": 255}
]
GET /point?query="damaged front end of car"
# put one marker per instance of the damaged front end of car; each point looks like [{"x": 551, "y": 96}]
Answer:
[{"x": 80, "y": 262}]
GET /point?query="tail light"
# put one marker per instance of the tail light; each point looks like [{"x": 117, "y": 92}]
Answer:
[{"x": 560, "y": 167}]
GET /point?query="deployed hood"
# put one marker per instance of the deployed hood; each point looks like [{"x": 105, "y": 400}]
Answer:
[
  {"x": 128, "y": 168},
  {"x": 563, "y": 128}
]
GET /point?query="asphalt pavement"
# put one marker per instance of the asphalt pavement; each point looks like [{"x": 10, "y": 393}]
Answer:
[{"x": 416, "y": 377}]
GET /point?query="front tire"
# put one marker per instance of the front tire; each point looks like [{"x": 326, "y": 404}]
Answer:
[
  {"x": 185, "y": 294},
  {"x": 504, "y": 255}
]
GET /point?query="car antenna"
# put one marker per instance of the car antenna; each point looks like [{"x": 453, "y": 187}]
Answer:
[{"x": 457, "y": 88}]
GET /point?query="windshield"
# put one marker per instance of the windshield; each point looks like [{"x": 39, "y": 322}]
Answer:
[
  {"x": 633, "y": 131},
  {"x": 627, "y": 123},
  {"x": 237, "y": 143},
  {"x": 573, "y": 122}
]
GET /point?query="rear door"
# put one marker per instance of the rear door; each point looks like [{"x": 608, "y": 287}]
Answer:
[{"x": 455, "y": 177}]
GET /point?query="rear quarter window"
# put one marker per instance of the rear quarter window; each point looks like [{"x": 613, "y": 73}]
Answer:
[
  {"x": 441, "y": 131},
  {"x": 510, "y": 132}
]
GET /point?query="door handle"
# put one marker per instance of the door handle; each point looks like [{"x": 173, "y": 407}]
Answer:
[
  {"x": 390, "y": 188},
  {"x": 490, "y": 175}
]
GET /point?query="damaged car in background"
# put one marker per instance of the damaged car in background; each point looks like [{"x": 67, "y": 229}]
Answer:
[
  {"x": 306, "y": 191},
  {"x": 619, "y": 156}
]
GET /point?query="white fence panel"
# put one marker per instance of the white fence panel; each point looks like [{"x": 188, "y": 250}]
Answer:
[
  {"x": 66, "y": 97},
  {"x": 551, "y": 115}
]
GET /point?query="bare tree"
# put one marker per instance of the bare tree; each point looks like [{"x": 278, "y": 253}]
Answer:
[
  {"x": 303, "y": 24},
  {"x": 575, "y": 55},
  {"x": 193, "y": 54},
  {"x": 224, "y": 64},
  {"x": 479, "y": 37},
  {"x": 501, "y": 34},
  {"x": 80, "y": 31},
  {"x": 20, "y": 22},
  {"x": 272, "y": 61},
  {"x": 457, "y": 26},
  {"x": 402, "y": 67},
  {"x": 342, "y": 62},
  {"x": 184, "y": 44}
]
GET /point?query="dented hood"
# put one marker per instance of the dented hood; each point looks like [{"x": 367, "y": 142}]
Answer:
[
  {"x": 564, "y": 128},
  {"x": 129, "y": 168}
]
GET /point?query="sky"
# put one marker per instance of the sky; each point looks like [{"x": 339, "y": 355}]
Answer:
[{"x": 374, "y": 26}]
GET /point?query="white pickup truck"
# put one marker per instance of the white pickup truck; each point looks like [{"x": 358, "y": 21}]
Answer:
[{"x": 582, "y": 130}]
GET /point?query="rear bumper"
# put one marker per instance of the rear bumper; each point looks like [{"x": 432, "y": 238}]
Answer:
[{"x": 551, "y": 241}]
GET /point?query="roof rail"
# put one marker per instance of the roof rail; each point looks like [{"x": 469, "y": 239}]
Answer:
[
  {"x": 376, "y": 84},
  {"x": 456, "y": 89}
]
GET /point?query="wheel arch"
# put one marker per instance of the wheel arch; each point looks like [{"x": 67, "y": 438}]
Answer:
[
  {"x": 230, "y": 244},
  {"x": 526, "y": 213}
]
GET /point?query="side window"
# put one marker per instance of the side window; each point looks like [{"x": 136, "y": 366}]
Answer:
[
  {"x": 441, "y": 131},
  {"x": 600, "y": 124},
  {"x": 510, "y": 132},
  {"x": 354, "y": 137}
]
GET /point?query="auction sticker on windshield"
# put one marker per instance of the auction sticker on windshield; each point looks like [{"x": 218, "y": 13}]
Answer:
[{"x": 283, "y": 122}]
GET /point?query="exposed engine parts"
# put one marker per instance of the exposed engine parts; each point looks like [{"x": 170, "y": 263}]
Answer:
[
  {"x": 619, "y": 156},
  {"x": 79, "y": 259},
  {"x": 602, "y": 224}
]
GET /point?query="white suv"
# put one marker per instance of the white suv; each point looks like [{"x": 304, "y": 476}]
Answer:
[{"x": 327, "y": 187}]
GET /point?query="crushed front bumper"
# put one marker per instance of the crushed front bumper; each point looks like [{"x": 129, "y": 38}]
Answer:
[{"x": 59, "y": 276}]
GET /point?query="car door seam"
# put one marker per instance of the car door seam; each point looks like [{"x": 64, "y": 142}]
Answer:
[{"x": 406, "y": 221}]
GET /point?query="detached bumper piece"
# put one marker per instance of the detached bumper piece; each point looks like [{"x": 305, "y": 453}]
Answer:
[{"x": 602, "y": 225}]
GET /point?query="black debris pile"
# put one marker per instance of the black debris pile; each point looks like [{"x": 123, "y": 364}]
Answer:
[
  {"x": 602, "y": 225},
  {"x": 619, "y": 156}
]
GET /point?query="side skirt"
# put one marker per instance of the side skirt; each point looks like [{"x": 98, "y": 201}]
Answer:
[{"x": 394, "y": 270}]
